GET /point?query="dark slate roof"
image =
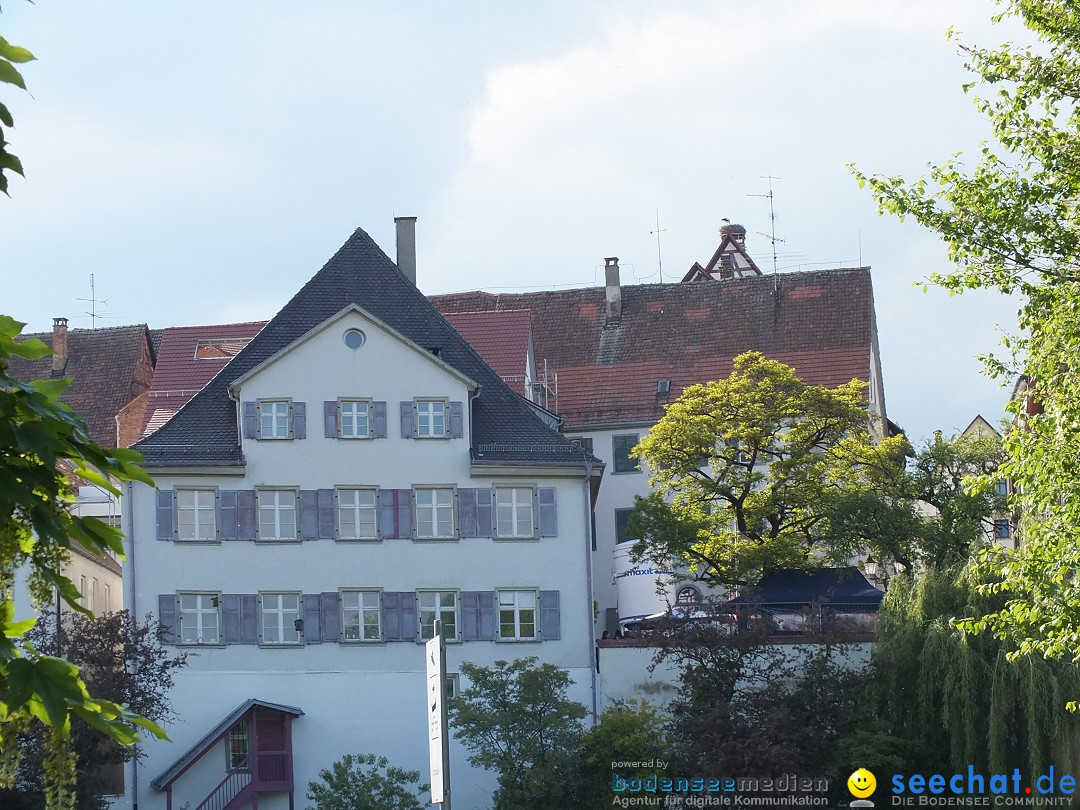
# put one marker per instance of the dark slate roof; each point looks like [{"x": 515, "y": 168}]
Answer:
[
  {"x": 504, "y": 427},
  {"x": 110, "y": 367},
  {"x": 838, "y": 586},
  {"x": 820, "y": 322}
]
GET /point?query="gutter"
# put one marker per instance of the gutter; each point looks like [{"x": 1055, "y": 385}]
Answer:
[
  {"x": 589, "y": 591},
  {"x": 129, "y": 535}
]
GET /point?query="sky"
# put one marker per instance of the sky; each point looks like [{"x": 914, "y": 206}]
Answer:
[{"x": 202, "y": 160}]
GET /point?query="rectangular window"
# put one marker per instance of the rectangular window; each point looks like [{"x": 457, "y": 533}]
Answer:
[
  {"x": 200, "y": 618},
  {"x": 82, "y": 591},
  {"x": 277, "y": 514},
  {"x": 434, "y": 513},
  {"x": 622, "y": 532},
  {"x": 431, "y": 419},
  {"x": 275, "y": 419},
  {"x": 514, "y": 512},
  {"x": 517, "y": 616},
  {"x": 582, "y": 442},
  {"x": 1002, "y": 530},
  {"x": 438, "y": 605},
  {"x": 281, "y": 618},
  {"x": 620, "y": 453},
  {"x": 238, "y": 750},
  {"x": 453, "y": 685},
  {"x": 354, "y": 418},
  {"x": 196, "y": 514},
  {"x": 361, "y": 616},
  {"x": 358, "y": 514},
  {"x": 1001, "y": 487}
]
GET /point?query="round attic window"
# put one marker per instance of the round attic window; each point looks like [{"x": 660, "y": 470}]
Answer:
[{"x": 354, "y": 338}]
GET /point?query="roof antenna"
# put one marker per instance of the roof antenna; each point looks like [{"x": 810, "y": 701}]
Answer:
[
  {"x": 93, "y": 304},
  {"x": 657, "y": 232},
  {"x": 771, "y": 236}
]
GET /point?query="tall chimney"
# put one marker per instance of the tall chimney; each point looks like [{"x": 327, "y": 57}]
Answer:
[
  {"x": 406, "y": 246},
  {"x": 612, "y": 292},
  {"x": 59, "y": 346}
]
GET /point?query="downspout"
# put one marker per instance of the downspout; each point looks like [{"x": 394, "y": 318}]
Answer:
[
  {"x": 589, "y": 589},
  {"x": 239, "y": 420},
  {"x": 129, "y": 535},
  {"x": 472, "y": 397}
]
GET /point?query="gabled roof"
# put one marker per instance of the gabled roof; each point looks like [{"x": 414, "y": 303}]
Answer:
[
  {"x": 504, "y": 428},
  {"x": 110, "y": 367},
  {"x": 501, "y": 338},
  {"x": 821, "y": 323}
]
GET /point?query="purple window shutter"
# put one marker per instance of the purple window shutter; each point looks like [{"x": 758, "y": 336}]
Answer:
[
  {"x": 388, "y": 513},
  {"x": 549, "y": 615},
  {"x": 330, "y": 419},
  {"x": 407, "y": 414},
  {"x": 379, "y": 411},
  {"x": 467, "y": 512},
  {"x": 245, "y": 514},
  {"x": 312, "y": 603},
  {"x": 456, "y": 420},
  {"x": 299, "y": 420},
  {"x": 249, "y": 618},
  {"x": 470, "y": 616},
  {"x": 167, "y": 618},
  {"x": 326, "y": 513},
  {"x": 165, "y": 526},
  {"x": 484, "y": 509},
  {"x": 391, "y": 615},
  {"x": 309, "y": 514},
  {"x": 486, "y": 605},
  {"x": 408, "y": 616},
  {"x": 404, "y": 512},
  {"x": 251, "y": 420},
  {"x": 230, "y": 618},
  {"x": 549, "y": 526},
  {"x": 227, "y": 513},
  {"x": 331, "y": 616}
]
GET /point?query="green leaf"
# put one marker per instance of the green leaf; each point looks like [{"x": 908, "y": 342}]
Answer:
[
  {"x": 31, "y": 348},
  {"x": 51, "y": 389},
  {"x": 5, "y": 117},
  {"x": 9, "y": 75},
  {"x": 13, "y": 53}
]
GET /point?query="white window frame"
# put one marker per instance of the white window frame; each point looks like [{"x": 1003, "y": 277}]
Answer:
[
  {"x": 284, "y": 499},
  {"x": 514, "y": 602},
  {"x": 368, "y": 605},
  {"x": 436, "y": 609},
  {"x": 351, "y": 404},
  {"x": 205, "y": 501},
  {"x": 355, "y": 509},
  {"x": 523, "y": 512},
  {"x": 206, "y": 603},
  {"x": 284, "y": 629},
  {"x": 437, "y": 511},
  {"x": 280, "y": 416},
  {"x": 425, "y": 417},
  {"x": 635, "y": 464}
]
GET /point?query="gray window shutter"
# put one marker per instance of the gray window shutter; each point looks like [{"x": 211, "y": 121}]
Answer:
[
  {"x": 467, "y": 512},
  {"x": 249, "y": 618},
  {"x": 404, "y": 512},
  {"x": 230, "y": 618},
  {"x": 379, "y": 410},
  {"x": 165, "y": 526},
  {"x": 470, "y": 616},
  {"x": 167, "y": 617},
  {"x": 388, "y": 513},
  {"x": 484, "y": 513},
  {"x": 330, "y": 419},
  {"x": 407, "y": 414},
  {"x": 227, "y": 514},
  {"x": 457, "y": 420},
  {"x": 299, "y": 420},
  {"x": 326, "y": 513},
  {"x": 399, "y": 616},
  {"x": 309, "y": 514},
  {"x": 486, "y": 604},
  {"x": 245, "y": 514},
  {"x": 312, "y": 614},
  {"x": 549, "y": 615},
  {"x": 549, "y": 526},
  {"x": 331, "y": 616},
  {"x": 251, "y": 420}
]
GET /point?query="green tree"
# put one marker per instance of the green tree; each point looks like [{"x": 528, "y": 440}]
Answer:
[
  {"x": 41, "y": 443},
  {"x": 516, "y": 720},
  {"x": 10, "y": 55},
  {"x": 631, "y": 732},
  {"x": 1011, "y": 223},
  {"x": 366, "y": 782},
  {"x": 745, "y": 470}
]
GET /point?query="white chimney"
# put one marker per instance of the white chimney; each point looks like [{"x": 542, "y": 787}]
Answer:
[{"x": 406, "y": 247}]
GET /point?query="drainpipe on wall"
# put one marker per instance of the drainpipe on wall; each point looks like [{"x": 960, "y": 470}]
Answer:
[
  {"x": 129, "y": 537},
  {"x": 589, "y": 589}
]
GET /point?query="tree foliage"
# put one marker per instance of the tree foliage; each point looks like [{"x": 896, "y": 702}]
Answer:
[
  {"x": 631, "y": 732},
  {"x": 517, "y": 721},
  {"x": 366, "y": 782},
  {"x": 1011, "y": 223},
  {"x": 10, "y": 55}
]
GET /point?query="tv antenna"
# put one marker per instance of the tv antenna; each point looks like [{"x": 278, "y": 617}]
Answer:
[
  {"x": 659, "y": 259},
  {"x": 94, "y": 301},
  {"x": 771, "y": 236}
]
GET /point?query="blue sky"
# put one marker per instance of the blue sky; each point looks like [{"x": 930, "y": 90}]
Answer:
[{"x": 203, "y": 160}]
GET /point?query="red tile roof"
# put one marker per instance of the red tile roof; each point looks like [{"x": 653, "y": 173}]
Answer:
[
  {"x": 821, "y": 323},
  {"x": 502, "y": 339}
]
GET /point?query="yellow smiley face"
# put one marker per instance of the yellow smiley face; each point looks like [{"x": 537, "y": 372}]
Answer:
[{"x": 861, "y": 783}]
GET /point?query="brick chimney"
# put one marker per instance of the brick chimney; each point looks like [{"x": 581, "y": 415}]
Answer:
[
  {"x": 612, "y": 291},
  {"x": 59, "y": 346},
  {"x": 406, "y": 247}
]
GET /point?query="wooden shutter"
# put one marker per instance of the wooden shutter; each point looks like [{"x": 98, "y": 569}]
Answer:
[
  {"x": 312, "y": 613},
  {"x": 227, "y": 514},
  {"x": 549, "y": 525},
  {"x": 457, "y": 420},
  {"x": 245, "y": 514},
  {"x": 230, "y": 618},
  {"x": 378, "y": 410},
  {"x": 549, "y": 615},
  {"x": 299, "y": 420},
  {"x": 407, "y": 417},
  {"x": 167, "y": 617},
  {"x": 309, "y": 514},
  {"x": 467, "y": 512},
  {"x": 330, "y": 619},
  {"x": 326, "y": 513},
  {"x": 251, "y": 420},
  {"x": 249, "y": 618},
  {"x": 330, "y": 419},
  {"x": 485, "y": 513},
  {"x": 470, "y": 616},
  {"x": 166, "y": 526},
  {"x": 399, "y": 616},
  {"x": 395, "y": 513}
]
